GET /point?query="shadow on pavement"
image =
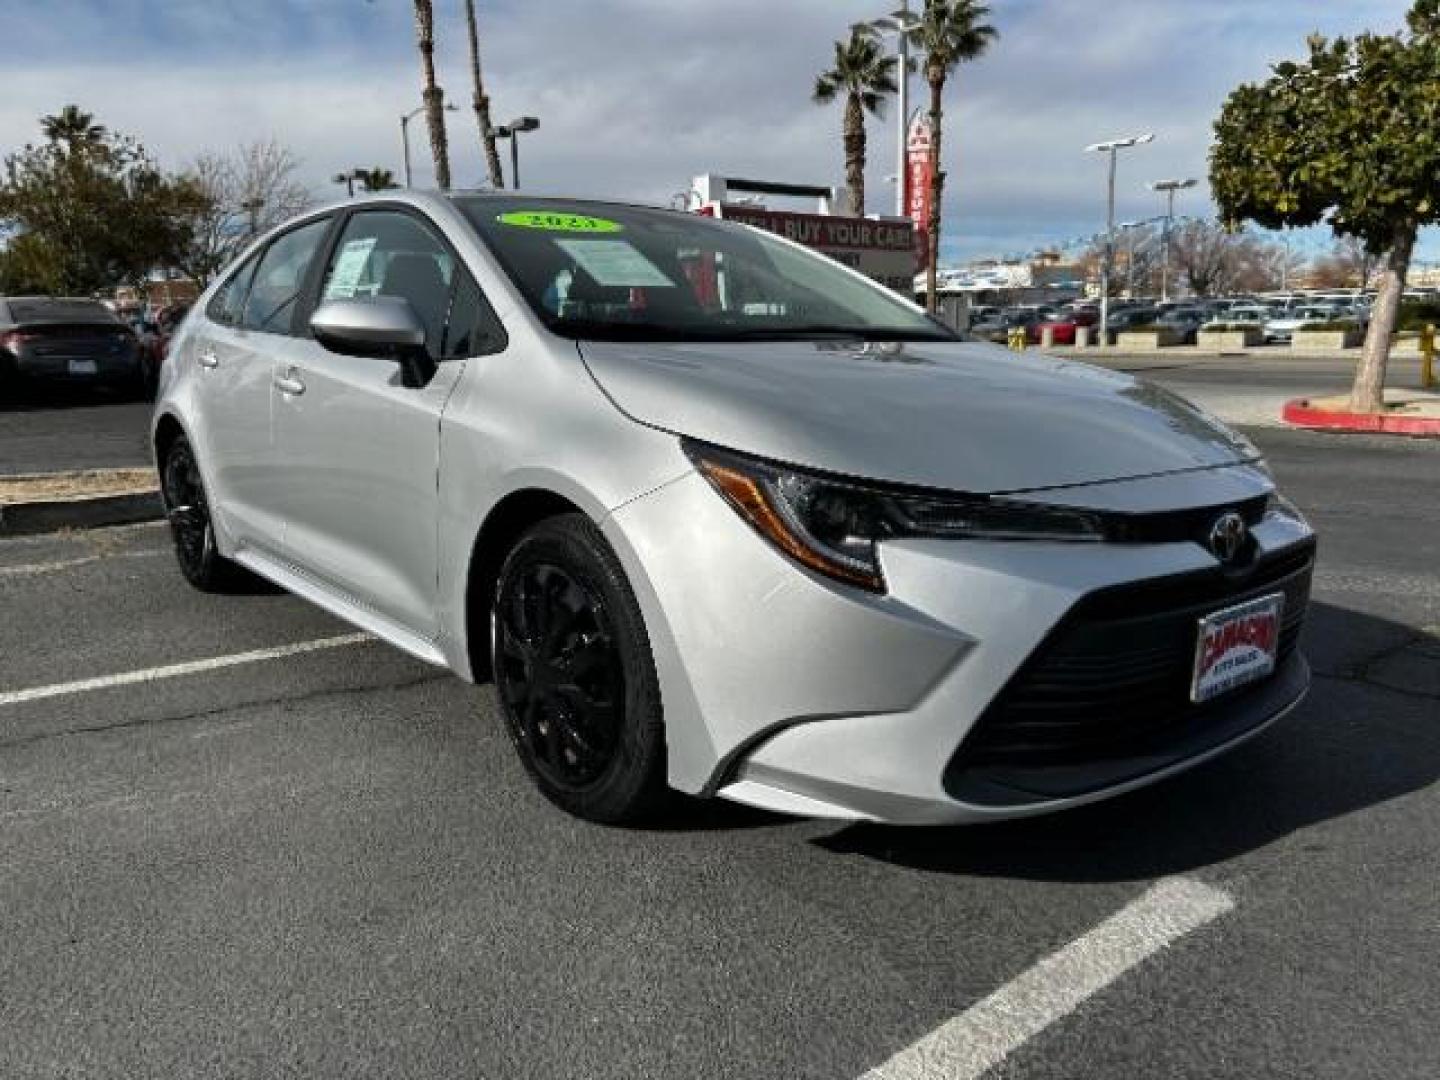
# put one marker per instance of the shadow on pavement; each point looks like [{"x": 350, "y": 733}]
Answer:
[{"x": 1351, "y": 745}]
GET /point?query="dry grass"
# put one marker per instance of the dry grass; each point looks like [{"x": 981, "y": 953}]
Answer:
[
  {"x": 1397, "y": 403},
  {"x": 87, "y": 483}
]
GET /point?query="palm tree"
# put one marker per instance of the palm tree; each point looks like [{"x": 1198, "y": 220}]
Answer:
[
  {"x": 865, "y": 76},
  {"x": 433, "y": 96},
  {"x": 72, "y": 125},
  {"x": 951, "y": 33},
  {"x": 482, "y": 102},
  {"x": 376, "y": 179}
]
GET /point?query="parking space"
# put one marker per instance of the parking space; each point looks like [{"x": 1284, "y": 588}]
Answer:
[
  {"x": 58, "y": 429},
  {"x": 317, "y": 856}
]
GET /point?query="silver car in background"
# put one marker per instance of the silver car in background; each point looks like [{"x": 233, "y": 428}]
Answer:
[{"x": 719, "y": 515}]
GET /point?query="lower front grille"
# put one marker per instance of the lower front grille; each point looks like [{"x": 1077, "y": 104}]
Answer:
[{"x": 1112, "y": 681}]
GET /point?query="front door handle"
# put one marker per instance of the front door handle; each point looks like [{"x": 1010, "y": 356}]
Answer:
[
  {"x": 289, "y": 384},
  {"x": 207, "y": 360}
]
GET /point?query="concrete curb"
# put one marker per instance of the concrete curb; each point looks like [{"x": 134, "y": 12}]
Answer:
[
  {"x": 1299, "y": 413},
  {"x": 22, "y": 519}
]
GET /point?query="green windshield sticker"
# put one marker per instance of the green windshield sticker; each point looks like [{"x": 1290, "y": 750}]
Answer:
[{"x": 553, "y": 222}]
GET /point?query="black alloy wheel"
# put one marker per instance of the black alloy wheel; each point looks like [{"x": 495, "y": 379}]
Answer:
[
  {"x": 574, "y": 674},
  {"x": 188, "y": 511}
]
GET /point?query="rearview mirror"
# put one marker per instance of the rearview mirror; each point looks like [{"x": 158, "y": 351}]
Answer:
[{"x": 376, "y": 326}]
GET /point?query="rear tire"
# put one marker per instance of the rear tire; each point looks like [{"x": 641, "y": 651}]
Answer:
[
  {"x": 188, "y": 510},
  {"x": 575, "y": 676}
]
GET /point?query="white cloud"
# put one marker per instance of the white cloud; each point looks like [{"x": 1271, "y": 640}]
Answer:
[{"x": 636, "y": 96}]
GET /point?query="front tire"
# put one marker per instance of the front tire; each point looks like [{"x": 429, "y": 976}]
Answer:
[
  {"x": 575, "y": 676},
  {"x": 188, "y": 510}
]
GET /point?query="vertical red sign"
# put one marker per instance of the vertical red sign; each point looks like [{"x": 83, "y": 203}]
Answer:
[{"x": 919, "y": 171}]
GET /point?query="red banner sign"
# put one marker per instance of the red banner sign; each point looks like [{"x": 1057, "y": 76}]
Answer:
[{"x": 919, "y": 172}]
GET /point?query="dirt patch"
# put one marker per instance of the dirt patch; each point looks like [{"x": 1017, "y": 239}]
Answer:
[
  {"x": 1397, "y": 403},
  {"x": 85, "y": 484}
]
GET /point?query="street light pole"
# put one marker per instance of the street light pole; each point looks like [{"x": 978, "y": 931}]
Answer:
[
  {"x": 512, "y": 132},
  {"x": 405, "y": 134},
  {"x": 903, "y": 102},
  {"x": 1169, "y": 187},
  {"x": 1113, "y": 148}
]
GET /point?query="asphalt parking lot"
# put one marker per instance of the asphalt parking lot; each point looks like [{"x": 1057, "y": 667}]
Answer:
[{"x": 307, "y": 855}]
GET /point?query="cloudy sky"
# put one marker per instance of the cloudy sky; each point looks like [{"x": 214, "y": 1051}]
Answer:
[{"x": 637, "y": 96}]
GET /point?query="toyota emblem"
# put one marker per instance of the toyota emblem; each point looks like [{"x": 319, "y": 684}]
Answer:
[{"x": 1227, "y": 537}]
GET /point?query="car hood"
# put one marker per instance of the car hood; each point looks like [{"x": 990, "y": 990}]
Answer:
[{"x": 955, "y": 415}]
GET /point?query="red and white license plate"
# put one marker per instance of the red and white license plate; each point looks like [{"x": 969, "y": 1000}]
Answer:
[{"x": 1236, "y": 647}]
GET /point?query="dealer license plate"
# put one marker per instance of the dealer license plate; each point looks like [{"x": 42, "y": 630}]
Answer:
[
  {"x": 1236, "y": 647},
  {"x": 83, "y": 366}
]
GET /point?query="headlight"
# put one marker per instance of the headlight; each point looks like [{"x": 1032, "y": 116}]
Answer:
[
  {"x": 1281, "y": 507},
  {"x": 832, "y": 526}
]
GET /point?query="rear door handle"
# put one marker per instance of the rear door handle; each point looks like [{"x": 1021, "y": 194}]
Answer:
[
  {"x": 289, "y": 384},
  {"x": 207, "y": 360}
]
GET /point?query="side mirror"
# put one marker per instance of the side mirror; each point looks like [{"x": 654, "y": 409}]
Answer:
[{"x": 385, "y": 327}]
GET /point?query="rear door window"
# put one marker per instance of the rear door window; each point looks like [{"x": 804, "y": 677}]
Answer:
[{"x": 227, "y": 306}]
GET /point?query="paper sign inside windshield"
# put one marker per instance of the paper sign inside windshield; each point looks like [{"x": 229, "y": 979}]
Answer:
[
  {"x": 615, "y": 263},
  {"x": 349, "y": 266}
]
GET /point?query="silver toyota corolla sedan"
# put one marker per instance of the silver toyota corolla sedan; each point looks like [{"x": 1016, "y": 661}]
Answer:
[{"x": 717, "y": 514}]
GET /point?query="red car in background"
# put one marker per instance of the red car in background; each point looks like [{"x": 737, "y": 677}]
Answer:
[
  {"x": 155, "y": 340},
  {"x": 1064, "y": 325}
]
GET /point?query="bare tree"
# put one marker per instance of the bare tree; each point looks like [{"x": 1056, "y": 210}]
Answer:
[
  {"x": 1348, "y": 266},
  {"x": 1214, "y": 262},
  {"x": 240, "y": 194},
  {"x": 266, "y": 184}
]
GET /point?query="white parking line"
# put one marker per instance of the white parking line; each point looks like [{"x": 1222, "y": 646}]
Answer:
[
  {"x": 985, "y": 1034},
  {"x": 171, "y": 671},
  {"x": 35, "y": 569}
]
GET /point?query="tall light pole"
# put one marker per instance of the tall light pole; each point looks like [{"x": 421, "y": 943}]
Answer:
[
  {"x": 1113, "y": 148},
  {"x": 512, "y": 132},
  {"x": 902, "y": 23},
  {"x": 405, "y": 133},
  {"x": 252, "y": 208},
  {"x": 1169, "y": 188}
]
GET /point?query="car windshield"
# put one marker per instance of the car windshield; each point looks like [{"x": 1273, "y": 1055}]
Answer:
[{"x": 609, "y": 272}]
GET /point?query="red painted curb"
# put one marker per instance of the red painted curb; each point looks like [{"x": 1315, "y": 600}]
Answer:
[{"x": 1300, "y": 414}]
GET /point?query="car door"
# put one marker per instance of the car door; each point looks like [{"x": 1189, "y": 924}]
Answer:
[
  {"x": 360, "y": 447},
  {"x": 235, "y": 353}
]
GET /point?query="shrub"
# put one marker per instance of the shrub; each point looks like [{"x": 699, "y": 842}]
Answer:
[{"x": 1417, "y": 314}]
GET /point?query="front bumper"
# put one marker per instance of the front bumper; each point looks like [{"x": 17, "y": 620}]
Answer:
[{"x": 786, "y": 691}]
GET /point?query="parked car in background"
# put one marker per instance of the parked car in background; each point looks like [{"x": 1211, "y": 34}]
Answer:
[
  {"x": 716, "y": 512},
  {"x": 1130, "y": 318},
  {"x": 997, "y": 329},
  {"x": 1064, "y": 326},
  {"x": 1249, "y": 315},
  {"x": 59, "y": 339},
  {"x": 1281, "y": 330},
  {"x": 1184, "y": 322}
]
